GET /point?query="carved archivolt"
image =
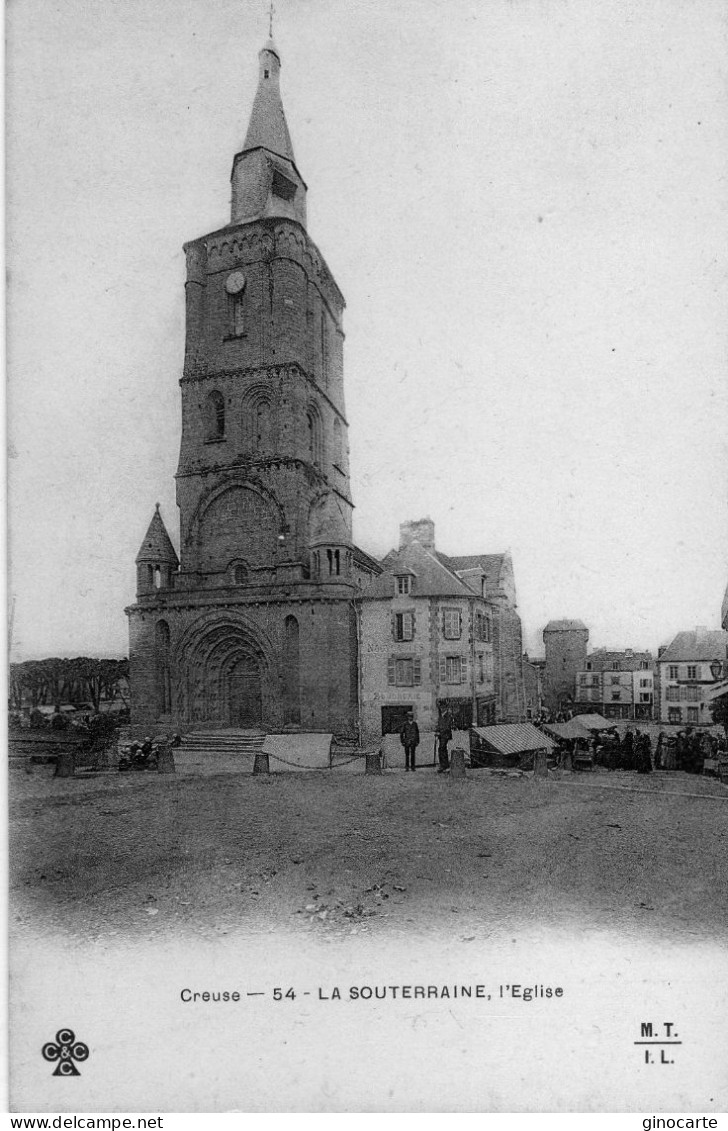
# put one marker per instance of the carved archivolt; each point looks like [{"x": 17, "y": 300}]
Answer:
[{"x": 238, "y": 522}]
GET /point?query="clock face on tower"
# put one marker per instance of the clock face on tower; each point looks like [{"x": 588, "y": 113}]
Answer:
[{"x": 235, "y": 283}]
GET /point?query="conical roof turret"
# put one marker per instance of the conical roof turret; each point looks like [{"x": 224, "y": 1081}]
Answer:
[{"x": 157, "y": 545}]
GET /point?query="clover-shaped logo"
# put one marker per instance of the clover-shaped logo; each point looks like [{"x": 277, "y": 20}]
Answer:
[{"x": 66, "y": 1050}]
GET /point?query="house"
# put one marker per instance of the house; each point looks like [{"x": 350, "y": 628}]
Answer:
[
  {"x": 616, "y": 684},
  {"x": 439, "y": 634},
  {"x": 690, "y": 668}
]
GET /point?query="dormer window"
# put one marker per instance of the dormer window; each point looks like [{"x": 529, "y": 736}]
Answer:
[{"x": 403, "y": 584}]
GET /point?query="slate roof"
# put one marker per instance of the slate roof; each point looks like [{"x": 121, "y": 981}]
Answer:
[
  {"x": 515, "y": 738},
  {"x": 366, "y": 560},
  {"x": 689, "y": 646},
  {"x": 157, "y": 545},
  {"x": 565, "y": 625},
  {"x": 491, "y": 564},
  {"x": 430, "y": 576},
  {"x": 268, "y": 128}
]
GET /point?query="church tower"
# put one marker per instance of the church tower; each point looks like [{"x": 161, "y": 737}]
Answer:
[{"x": 254, "y": 627}]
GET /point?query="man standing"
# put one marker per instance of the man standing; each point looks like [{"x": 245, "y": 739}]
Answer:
[
  {"x": 409, "y": 736},
  {"x": 444, "y": 735}
]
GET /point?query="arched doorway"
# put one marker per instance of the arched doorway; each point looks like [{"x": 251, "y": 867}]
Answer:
[
  {"x": 242, "y": 698},
  {"x": 227, "y": 680}
]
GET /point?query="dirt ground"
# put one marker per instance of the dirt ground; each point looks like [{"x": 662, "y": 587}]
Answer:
[{"x": 209, "y": 853}]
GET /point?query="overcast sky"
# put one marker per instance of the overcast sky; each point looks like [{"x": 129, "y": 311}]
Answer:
[{"x": 524, "y": 203}]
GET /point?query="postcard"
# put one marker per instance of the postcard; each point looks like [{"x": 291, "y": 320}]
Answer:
[{"x": 368, "y": 683}]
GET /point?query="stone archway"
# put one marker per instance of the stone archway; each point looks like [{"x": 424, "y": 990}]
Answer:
[{"x": 226, "y": 679}]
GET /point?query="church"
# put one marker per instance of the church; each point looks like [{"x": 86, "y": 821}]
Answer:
[
  {"x": 254, "y": 625},
  {"x": 271, "y": 618}
]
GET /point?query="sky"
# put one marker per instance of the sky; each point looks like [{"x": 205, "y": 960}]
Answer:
[{"x": 524, "y": 203}]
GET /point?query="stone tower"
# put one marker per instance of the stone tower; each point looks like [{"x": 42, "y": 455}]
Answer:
[
  {"x": 565, "y": 642},
  {"x": 255, "y": 624}
]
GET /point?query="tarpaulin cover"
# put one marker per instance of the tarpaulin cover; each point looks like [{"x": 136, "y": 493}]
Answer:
[
  {"x": 298, "y": 751},
  {"x": 514, "y": 738}
]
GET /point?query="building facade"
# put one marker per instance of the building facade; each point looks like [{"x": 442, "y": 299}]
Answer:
[
  {"x": 254, "y": 625},
  {"x": 436, "y": 638},
  {"x": 618, "y": 685},
  {"x": 692, "y": 667}
]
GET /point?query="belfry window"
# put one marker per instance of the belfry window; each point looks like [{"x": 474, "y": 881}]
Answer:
[
  {"x": 314, "y": 436},
  {"x": 215, "y": 416},
  {"x": 282, "y": 187}
]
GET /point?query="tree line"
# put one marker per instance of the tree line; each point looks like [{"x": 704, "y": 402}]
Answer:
[{"x": 51, "y": 682}]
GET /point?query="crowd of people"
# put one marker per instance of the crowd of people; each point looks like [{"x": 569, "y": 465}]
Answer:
[{"x": 687, "y": 750}]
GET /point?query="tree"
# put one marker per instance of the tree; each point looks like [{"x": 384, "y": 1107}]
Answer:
[{"x": 719, "y": 711}]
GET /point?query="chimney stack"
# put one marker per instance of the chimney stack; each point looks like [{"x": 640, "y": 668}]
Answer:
[{"x": 420, "y": 530}]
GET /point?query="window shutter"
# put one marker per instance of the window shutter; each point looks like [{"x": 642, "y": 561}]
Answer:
[
  {"x": 443, "y": 670},
  {"x": 460, "y": 624},
  {"x": 394, "y": 629},
  {"x": 407, "y": 626},
  {"x": 391, "y": 674},
  {"x": 463, "y": 669},
  {"x": 417, "y": 669}
]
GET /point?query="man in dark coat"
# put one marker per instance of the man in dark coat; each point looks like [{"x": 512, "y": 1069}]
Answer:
[
  {"x": 444, "y": 735},
  {"x": 409, "y": 736}
]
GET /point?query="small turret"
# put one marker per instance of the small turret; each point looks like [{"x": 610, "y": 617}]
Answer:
[{"x": 157, "y": 562}]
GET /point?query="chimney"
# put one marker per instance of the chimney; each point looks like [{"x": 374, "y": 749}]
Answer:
[{"x": 421, "y": 530}]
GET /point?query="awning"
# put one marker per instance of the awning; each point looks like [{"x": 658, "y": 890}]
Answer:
[
  {"x": 593, "y": 722},
  {"x": 568, "y": 730},
  {"x": 514, "y": 738}
]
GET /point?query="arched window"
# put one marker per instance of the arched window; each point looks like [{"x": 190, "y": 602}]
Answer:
[
  {"x": 258, "y": 420},
  {"x": 215, "y": 416},
  {"x": 157, "y": 577},
  {"x": 164, "y": 680},
  {"x": 315, "y": 452},
  {"x": 240, "y": 574},
  {"x": 261, "y": 426}
]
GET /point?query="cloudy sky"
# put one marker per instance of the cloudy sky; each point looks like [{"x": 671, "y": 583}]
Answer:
[{"x": 524, "y": 203}]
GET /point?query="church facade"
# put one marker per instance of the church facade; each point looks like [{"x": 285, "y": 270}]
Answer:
[{"x": 255, "y": 624}]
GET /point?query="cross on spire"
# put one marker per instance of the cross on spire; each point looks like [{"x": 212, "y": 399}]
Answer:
[{"x": 270, "y": 19}]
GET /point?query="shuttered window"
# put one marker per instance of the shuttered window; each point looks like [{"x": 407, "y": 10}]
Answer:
[
  {"x": 453, "y": 669},
  {"x": 404, "y": 671},
  {"x": 403, "y": 626}
]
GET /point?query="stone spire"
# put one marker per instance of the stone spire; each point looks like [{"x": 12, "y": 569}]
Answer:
[
  {"x": 157, "y": 545},
  {"x": 265, "y": 180},
  {"x": 268, "y": 128}
]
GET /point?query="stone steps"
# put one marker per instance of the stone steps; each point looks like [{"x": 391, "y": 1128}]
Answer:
[{"x": 224, "y": 741}]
